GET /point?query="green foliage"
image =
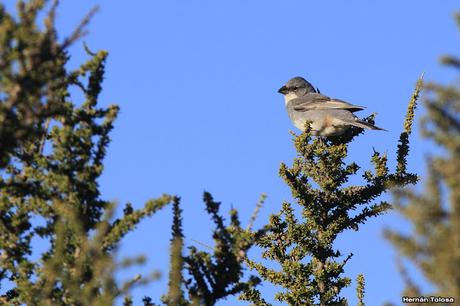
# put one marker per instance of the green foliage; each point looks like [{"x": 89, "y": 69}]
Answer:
[
  {"x": 215, "y": 275},
  {"x": 33, "y": 79},
  {"x": 52, "y": 153},
  {"x": 360, "y": 289},
  {"x": 175, "y": 294},
  {"x": 433, "y": 246},
  {"x": 310, "y": 269}
]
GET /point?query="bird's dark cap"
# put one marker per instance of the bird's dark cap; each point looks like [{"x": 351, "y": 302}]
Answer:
[{"x": 296, "y": 82}]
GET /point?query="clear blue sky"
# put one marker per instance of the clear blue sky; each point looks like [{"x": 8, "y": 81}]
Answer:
[{"x": 197, "y": 84}]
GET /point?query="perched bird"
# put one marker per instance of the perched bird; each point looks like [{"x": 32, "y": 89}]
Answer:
[{"x": 328, "y": 117}]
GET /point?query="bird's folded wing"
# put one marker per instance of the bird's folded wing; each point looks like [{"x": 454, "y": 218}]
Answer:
[{"x": 320, "y": 102}]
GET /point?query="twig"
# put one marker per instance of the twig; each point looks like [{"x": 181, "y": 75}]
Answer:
[
  {"x": 259, "y": 205},
  {"x": 202, "y": 244},
  {"x": 80, "y": 30}
]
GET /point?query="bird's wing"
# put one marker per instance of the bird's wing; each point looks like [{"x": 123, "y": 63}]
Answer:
[{"x": 315, "y": 101}]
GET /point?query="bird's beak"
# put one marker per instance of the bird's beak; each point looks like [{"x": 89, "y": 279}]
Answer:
[{"x": 283, "y": 90}]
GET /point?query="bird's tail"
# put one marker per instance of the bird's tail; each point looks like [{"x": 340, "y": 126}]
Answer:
[{"x": 366, "y": 125}]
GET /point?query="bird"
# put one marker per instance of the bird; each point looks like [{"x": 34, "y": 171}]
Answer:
[{"x": 327, "y": 116}]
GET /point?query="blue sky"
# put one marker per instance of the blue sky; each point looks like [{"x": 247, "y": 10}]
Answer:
[{"x": 197, "y": 85}]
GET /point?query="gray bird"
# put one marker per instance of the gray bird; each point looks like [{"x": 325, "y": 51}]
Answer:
[{"x": 328, "y": 117}]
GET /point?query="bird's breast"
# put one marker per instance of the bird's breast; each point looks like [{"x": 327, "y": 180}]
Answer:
[{"x": 322, "y": 124}]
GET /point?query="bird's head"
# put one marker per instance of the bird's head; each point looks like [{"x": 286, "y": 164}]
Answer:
[{"x": 296, "y": 87}]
